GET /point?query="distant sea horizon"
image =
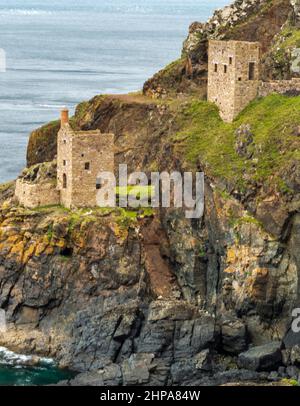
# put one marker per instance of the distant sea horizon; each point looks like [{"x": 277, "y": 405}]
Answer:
[{"x": 61, "y": 52}]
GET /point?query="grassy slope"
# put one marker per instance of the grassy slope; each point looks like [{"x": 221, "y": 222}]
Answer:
[
  {"x": 204, "y": 138},
  {"x": 290, "y": 37}
]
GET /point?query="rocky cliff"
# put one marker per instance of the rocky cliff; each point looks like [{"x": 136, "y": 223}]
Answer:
[{"x": 112, "y": 292}]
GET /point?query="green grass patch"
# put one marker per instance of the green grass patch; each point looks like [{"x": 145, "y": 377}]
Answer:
[
  {"x": 248, "y": 220},
  {"x": 224, "y": 194},
  {"x": 50, "y": 207},
  {"x": 290, "y": 37},
  {"x": 140, "y": 192},
  {"x": 50, "y": 232},
  {"x": 204, "y": 137},
  {"x": 291, "y": 382},
  {"x": 5, "y": 186},
  {"x": 127, "y": 218},
  {"x": 123, "y": 217},
  {"x": 81, "y": 110},
  {"x": 173, "y": 65}
]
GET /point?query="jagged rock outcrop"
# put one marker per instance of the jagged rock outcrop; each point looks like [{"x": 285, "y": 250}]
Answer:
[
  {"x": 225, "y": 21},
  {"x": 76, "y": 286},
  {"x": 282, "y": 60}
]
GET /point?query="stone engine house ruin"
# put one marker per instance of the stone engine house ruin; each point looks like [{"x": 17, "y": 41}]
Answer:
[
  {"x": 233, "y": 75},
  {"x": 81, "y": 156}
]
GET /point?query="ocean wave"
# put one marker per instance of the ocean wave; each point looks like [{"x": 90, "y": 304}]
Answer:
[
  {"x": 133, "y": 9},
  {"x": 51, "y": 106},
  {"x": 24, "y": 12},
  {"x": 8, "y": 357},
  {"x": 79, "y": 71},
  {"x": 7, "y": 106}
]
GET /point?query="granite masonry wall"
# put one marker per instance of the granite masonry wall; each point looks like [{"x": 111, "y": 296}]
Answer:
[
  {"x": 233, "y": 75},
  {"x": 36, "y": 194},
  {"x": 288, "y": 87},
  {"x": 81, "y": 156},
  {"x": 64, "y": 164}
]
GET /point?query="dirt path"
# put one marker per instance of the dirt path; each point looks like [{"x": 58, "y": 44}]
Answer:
[{"x": 134, "y": 98}]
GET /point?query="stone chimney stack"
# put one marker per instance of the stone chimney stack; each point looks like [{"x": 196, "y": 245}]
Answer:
[{"x": 64, "y": 116}]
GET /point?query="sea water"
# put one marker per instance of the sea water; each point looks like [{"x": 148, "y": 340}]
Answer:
[{"x": 18, "y": 369}]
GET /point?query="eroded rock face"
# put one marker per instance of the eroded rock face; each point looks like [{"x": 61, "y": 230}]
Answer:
[
  {"x": 222, "y": 21},
  {"x": 234, "y": 335},
  {"x": 78, "y": 286},
  {"x": 244, "y": 138}
]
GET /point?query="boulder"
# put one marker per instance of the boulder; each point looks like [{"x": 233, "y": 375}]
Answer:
[
  {"x": 266, "y": 357},
  {"x": 234, "y": 340},
  {"x": 109, "y": 376},
  {"x": 295, "y": 63},
  {"x": 244, "y": 138},
  {"x": 203, "y": 360},
  {"x": 136, "y": 369},
  {"x": 190, "y": 370},
  {"x": 292, "y": 372},
  {"x": 273, "y": 376},
  {"x": 286, "y": 357}
]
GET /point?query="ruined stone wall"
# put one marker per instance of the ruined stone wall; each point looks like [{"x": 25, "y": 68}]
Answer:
[
  {"x": 93, "y": 152},
  {"x": 81, "y": 155},
  {"x": 33, "y": 195},
  {"x": 289, "y": 87},
  {"x": 245, "y": 89},
  {"x": 64, "y": 164},
  {"x": 228, "y": 75},
  {"x": 220, "y": 83}
]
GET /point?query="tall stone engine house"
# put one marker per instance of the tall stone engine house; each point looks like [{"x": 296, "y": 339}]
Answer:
[
  {"x": 81, "y": 155},
  {"x": 233, "y": 75}
]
